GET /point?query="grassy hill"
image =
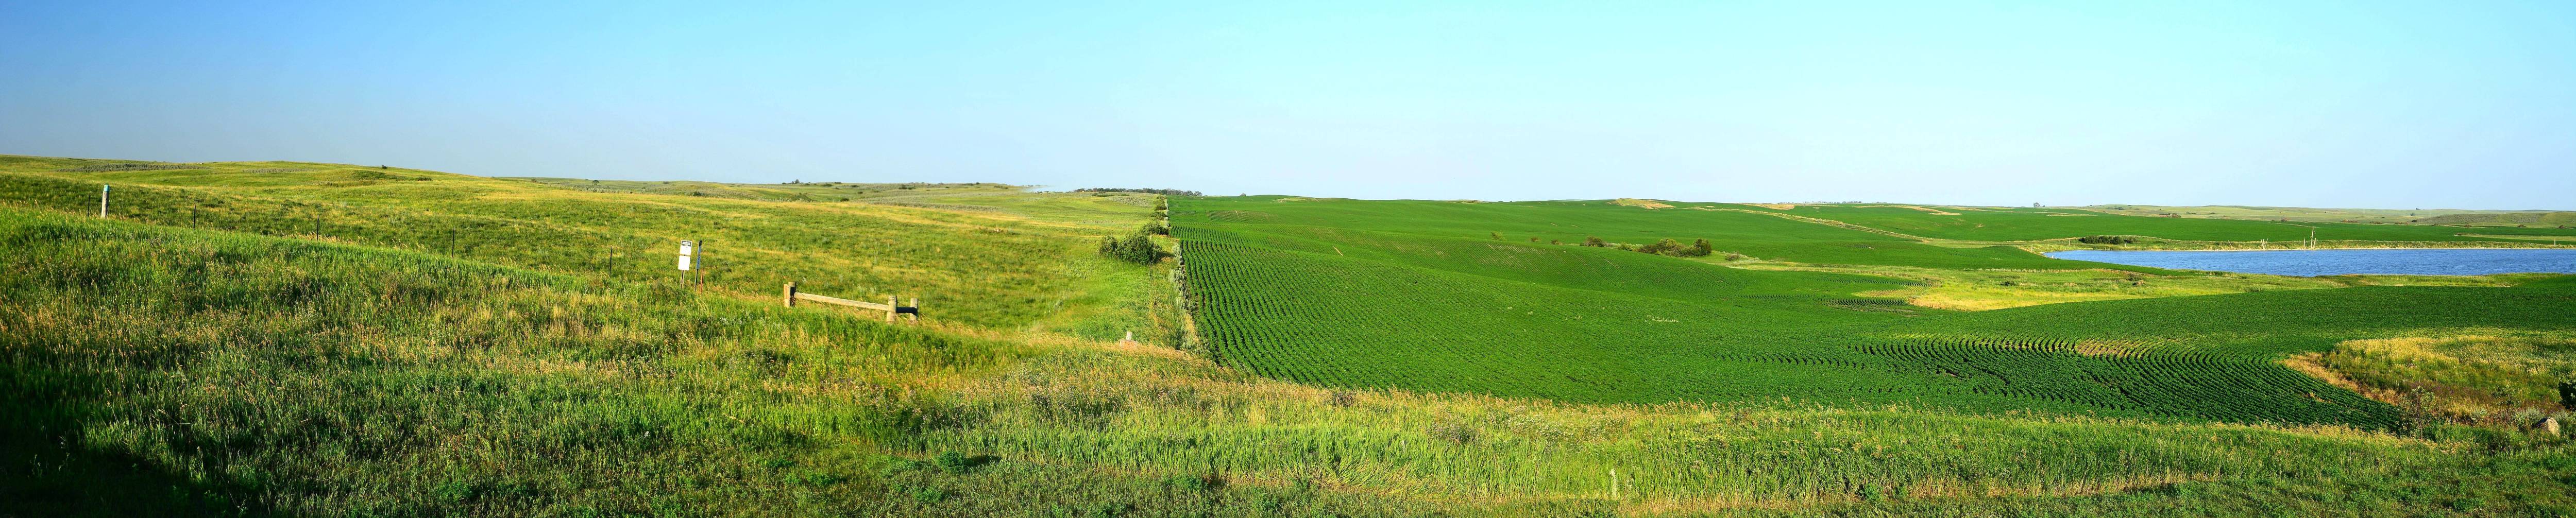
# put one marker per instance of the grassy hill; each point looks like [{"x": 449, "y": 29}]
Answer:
[
  {"x": 2517, "y": 219},
  {"x": 205, "y": 352}
]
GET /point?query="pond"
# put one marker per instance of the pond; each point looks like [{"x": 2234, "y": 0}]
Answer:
[{"x": 2306, "y": 263}]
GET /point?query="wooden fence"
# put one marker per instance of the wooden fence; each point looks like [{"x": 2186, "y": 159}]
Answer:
[{"x": 911, "y": 313}]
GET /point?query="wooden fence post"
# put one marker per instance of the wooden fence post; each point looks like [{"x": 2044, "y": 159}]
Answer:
[
  {"x": 102, "y": 200},
  {"x": 889, "y": 309},
  {"x": 789, "y": 297},
  {"x": 915, "y": 315}
]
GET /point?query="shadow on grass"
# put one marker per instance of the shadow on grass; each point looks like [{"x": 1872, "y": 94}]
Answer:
[{"x": 45, "y": 471}]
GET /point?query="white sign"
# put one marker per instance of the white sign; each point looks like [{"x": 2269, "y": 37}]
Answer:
[
  {"x": 684, "y": 263},
  {"x": 686, "y": 247}
]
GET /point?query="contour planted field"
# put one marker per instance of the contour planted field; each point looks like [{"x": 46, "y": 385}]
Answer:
[
  {"x": 1420, "y": 295},
  {"x": 1730, "y": 230}
]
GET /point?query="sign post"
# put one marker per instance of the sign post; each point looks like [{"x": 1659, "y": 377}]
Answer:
[
  {"x": 688, "y": 263},
  {"x": 102, "y": 200}
]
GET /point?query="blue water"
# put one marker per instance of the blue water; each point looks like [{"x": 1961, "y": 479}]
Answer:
[{"x": 2409, "y": 261}]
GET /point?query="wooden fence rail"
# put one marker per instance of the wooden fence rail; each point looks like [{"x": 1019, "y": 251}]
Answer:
[{"x": 911, "y": 313}]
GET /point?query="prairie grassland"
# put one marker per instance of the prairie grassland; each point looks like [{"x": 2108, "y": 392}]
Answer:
[
  {"x": 991, "y": 268},
  {"x": 170, "y": 371},
  {"x": 798, "y": 191},
  {"x": 2495, "y": 380}
]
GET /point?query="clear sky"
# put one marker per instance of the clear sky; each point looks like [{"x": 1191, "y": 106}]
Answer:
[{"x": 2340, "y": 103}]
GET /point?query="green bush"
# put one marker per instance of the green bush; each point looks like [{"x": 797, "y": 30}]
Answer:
[
  {"x": 1136, "y": 248},
  {"x": 1673, "y": 248}
]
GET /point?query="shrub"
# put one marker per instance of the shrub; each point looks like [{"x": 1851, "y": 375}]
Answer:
[
  {"x": 1594, "y": 241},
  {"x": 2107, "y": 240},
  {"x": 1135, "y": 248},
  {"x": 1665, "y": 246},
  {"x": 1677, "y": 249}
]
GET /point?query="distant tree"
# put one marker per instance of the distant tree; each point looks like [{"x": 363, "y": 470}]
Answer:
[
  {"x": 1665, "y": 246},
  {"x": 1594, "y": 241},
  {"x": 2107, "y": 240},
  {"x": 1701, "y": 248}
]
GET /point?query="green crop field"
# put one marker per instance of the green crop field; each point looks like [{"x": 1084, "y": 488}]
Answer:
[
  {"x": 308, "y": 339},
  {"x": 1421, "y": 295}
]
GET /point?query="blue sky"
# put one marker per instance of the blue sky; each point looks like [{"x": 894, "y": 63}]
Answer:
[{"x": 2344, "y": 104}]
